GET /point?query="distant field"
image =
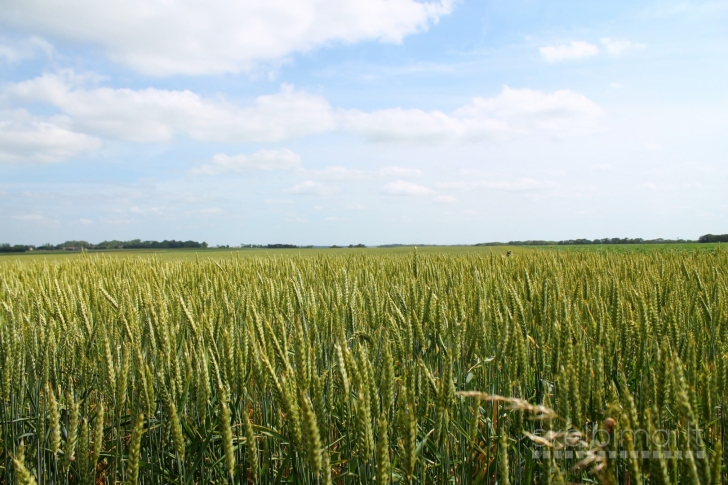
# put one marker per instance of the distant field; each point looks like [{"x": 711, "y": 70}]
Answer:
[
  {"x": 256, "y": 252},
  {"x": 186, "y": 254}
]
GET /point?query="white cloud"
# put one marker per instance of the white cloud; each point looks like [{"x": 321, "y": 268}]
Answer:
[
  {"x": 29, "y": 217},
  {"x": 37, "y": 219},
  {"x": 10, "y": 53},
  {"x": 210, "y": 211},
  {"x": 399, "y": 124},
  {"x": 116, "y": 221},
  {"x": 520, "y": 107},
  {"x": 86, "y": 222},
  {"x": 521, "y": 185},
  {"x": 312, "y": 187},
  {"x": 568, "y": 52},
  {"x": 400, "y": 187},
  {"x": 25, "y": 49},
  {"x": 400, "y": 172},
  {"x": 163, "y": 37},
  {"x": 512, "y": 111},
  {"x": 337, "y": 173},
  {"x": 151, "y": 211},
  {"x": 28, "y": 138},
  {"x": 617, "y": 47},
  {"x": 158, "y": 115},
  {"x": 294, "y": 218},
  {"x": 261, "y": 160},
  {"x": 445, "y": 198}
]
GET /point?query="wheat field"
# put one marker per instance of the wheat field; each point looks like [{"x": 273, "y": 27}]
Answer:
[{"x": 412, "y": 368}]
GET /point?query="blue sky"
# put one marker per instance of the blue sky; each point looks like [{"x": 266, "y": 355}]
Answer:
[{"x": 373, "y": 121}]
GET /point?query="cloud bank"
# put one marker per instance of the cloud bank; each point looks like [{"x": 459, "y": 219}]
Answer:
[
  {"x": 513, "y": 111},
  {"x": 151, "y": 114},
  {"x": 89, "y": 112},
  {"x": 217, "y": 36}
]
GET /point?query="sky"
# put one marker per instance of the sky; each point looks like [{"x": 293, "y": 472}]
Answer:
[{"x": 362, "y": 121}]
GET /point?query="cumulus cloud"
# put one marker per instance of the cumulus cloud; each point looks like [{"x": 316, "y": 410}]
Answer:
[
  {"x": 399, "y": 124},
  {"x": 512, "y": 111},
  {"x": 568, "y": 52},
  {"x": 28, "y": 138},
  {"x": 400, "y": 187},
  {"x": 158, "y": 115},
  {"x": 184, "y": 37},
  {"x": 261, "y": 160},
  {"x": 314, "y": 188},
  {"x": 523, "y": 107}
]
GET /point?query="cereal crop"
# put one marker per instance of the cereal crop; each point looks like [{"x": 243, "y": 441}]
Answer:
[{"x": 542, "y": 367}]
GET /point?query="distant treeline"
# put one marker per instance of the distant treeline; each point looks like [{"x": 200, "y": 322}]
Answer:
[
  {"x": 274, "y": 246},
  {"x": 415, "y": 245},
  {"x": 606, "y": 240},
  {"x": 78, "y": 245},
  {"x": 138, "y": 244},
  {"x": 710, "y": 238},
  {"x": 18, "y": 248}
]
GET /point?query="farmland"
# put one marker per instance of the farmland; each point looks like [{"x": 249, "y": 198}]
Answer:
[{"x": 382, "y": 366}]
